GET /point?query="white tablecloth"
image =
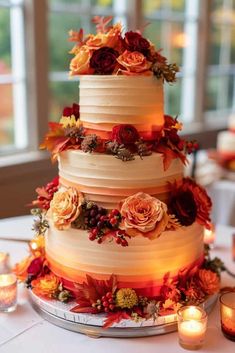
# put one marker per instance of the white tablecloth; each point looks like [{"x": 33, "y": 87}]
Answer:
[{"x": 25, "y": 331}]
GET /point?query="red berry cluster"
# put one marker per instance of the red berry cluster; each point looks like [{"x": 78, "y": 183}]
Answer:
[
  {"x": 45, "y": 194},
  {"x": 191, "y": 146},
  {"x": 108, "y": 302},
  {"x": 106, "y": 224},
  {"x": 119, "y": 236}
]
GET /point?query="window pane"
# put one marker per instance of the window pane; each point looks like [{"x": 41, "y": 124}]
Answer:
[
  {"x": 62, "y": 94},
  {"x": 5, "y": 41},
  {"x": 59, "y": 26},
  {"x": 215, "y": 45},
  {"x": 177, "y": 5},
  {"x": 102, "y": 3},
  {"x": 212, "y": 89},
  {"x": 6, "y": 117},
  {"x": 173, "y": 98}
]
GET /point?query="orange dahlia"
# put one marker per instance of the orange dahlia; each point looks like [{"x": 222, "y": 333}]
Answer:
[
  {"x": 209, "y": 281},
  {"x": 46, "y": 286}
]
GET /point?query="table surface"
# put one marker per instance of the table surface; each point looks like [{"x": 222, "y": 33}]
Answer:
[{"x": 25, "y": 331}]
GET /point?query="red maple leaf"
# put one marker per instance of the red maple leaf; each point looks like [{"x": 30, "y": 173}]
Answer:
[
  {"x": 92, "y": 290},
  {"x": 101, "y": 23},
  {"x": 115, "y": 317}
]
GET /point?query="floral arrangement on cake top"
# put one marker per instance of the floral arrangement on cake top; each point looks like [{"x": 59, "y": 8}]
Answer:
[
  {"x": 124, "y": 141},
  {"x": 112, "y": 52}
]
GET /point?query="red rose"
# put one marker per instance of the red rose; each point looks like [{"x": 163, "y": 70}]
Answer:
[
  {"x": 133, "y": 41},
  {"x": 202, "y": 200},
  {"x": 125, "y": 134},
  {"x": 74, "y": 110},
  {"x": 36, "y": 266},
  {"x": 103, "y": 60},
  {"x": 183, "y": 206}
]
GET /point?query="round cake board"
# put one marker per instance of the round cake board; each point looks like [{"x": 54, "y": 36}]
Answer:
[{"x": 59, "y": 314}]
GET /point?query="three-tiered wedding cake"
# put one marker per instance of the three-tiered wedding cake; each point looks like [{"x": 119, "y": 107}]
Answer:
[{"x": 123, "y": 227}]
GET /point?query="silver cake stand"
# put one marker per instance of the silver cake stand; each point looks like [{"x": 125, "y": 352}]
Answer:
[{"x": 91, "y": 325}]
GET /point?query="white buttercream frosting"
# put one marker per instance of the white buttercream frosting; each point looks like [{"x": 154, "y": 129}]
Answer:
[
  {"x": 172, "y": 251},
  {"x": 121, "y": 100},
  {"x": 115, "y": 178}
]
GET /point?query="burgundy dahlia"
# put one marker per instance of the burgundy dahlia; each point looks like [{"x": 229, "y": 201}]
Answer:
[
  {"x": 74, "y": 110},
  {"x": 103, "y": 60},
  {"x": 36, "y": 267},
  {"x": 133, "y": 41},
  {"x": 125, "y": 134},
  {"x": 183, "y": 206}
]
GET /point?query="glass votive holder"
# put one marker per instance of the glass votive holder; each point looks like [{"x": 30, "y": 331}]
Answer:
[
  {"x": 227, "y": 314},
  {"x": 4, "y": 263},
  {"x": 192, "y": 324},
  {"x": 8, "y": 292}
]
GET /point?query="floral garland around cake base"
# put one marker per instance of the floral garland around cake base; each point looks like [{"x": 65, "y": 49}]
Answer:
[{"x": 99, "y": 296}]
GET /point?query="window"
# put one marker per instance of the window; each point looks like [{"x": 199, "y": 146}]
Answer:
[
  {"x": 63, "y": 16},
  {"x": 13, "y": 116}
]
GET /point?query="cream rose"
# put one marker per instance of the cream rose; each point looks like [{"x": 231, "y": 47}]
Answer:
[
  {"x": 134, "y": 63},
  {"x": 110, "y": 39},
  {"x": 65, "y": 207},
  {"x": 80, "y": 64},
  {"x": 144, "y": 214}
]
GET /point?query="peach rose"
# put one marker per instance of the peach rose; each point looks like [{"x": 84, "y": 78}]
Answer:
[
  {"x": 80, "y": 64},
  {"x": 134, "y": 63},
  {"x": 65, "y": 207},
  {"x": 144, "y": 215},
  {"x": 110, "y": 39},
  {"x": 209, "y": 281},
  {"x": 46, "y": 286}
]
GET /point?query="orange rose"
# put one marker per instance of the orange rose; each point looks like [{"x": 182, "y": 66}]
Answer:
[
  {"x": 144, "y": 215},
  {"x": 65, "y": 207},
  {"x": 109, "y": 39},
  {"x": 134, "y": 63},
  {"x": 209, "y": 281},
  {"x": 20, "y": 269},
  {"x": 46, "y": 286},
  {"x": 80, "y": 64}
]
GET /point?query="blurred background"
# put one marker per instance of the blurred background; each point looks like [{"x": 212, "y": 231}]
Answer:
[{"x": 199, "y": 35}]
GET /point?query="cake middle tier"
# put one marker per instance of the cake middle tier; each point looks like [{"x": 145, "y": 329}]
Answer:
[{"x": 107, "y": 180}]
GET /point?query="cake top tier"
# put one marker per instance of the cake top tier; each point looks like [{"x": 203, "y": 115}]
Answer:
[{"x": 112, "y": 52}]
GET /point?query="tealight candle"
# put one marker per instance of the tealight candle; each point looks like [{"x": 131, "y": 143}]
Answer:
[
  {"x": 4, "y": 262},
  {"x": 209, "y": 235},
  {"x": 192, "y": 323},
  {"x": 8, "y": 292},
  {"x": 227, "y": 314}
]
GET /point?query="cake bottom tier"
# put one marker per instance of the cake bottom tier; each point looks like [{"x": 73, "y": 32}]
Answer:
[{"x": 143, "y": 265}]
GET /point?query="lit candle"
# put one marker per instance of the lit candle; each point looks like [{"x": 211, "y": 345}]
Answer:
[
  {"x": 4, "y": 262},
  {"x": 209, "y": 235},
  {"x": 8, "y": 292},
  {"x": 192, "y": 323},
  {"x": 227, "y": 314}
]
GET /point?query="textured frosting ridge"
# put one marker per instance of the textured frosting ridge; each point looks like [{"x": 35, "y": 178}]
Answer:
[
  {"x": 122, "y": 100},
  {"x": 71, "y": 255},
  {"x": 107, "y": 180}
]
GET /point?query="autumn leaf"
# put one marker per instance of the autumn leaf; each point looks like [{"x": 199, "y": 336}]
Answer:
[
  {"x": 101, "y": 23},
  {"x": 116, "y": 317},
  {"x": 76, "y": 36}
]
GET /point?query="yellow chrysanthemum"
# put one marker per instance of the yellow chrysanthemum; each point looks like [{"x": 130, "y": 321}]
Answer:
[
  {"x": 126, "y": 298},
  {"x": 68, "y": 121}
]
